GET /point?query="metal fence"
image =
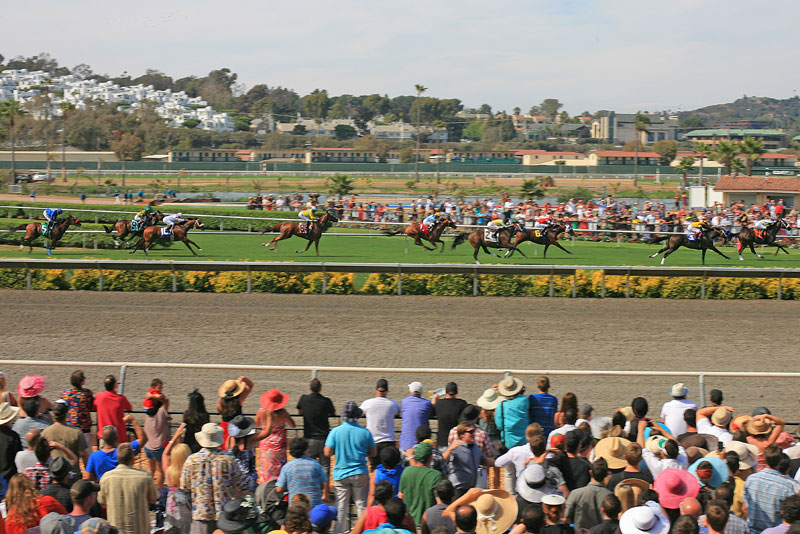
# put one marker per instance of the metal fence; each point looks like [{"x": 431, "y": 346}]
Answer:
[{"x": 399, "y": 269}]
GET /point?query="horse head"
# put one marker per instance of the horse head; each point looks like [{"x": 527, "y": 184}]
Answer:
[
  {"x": 331, "y": 215},
  {"x": 72, "y": 220},
  {"x": 197, "y": 224},
  {"x": 447, "y": 222}
]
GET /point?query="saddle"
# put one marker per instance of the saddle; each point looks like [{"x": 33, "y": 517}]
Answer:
[
  {"x": 46, "y": 227},
  {"x": 424, "y": 229},
  {"x": 759, "y": 233},
  {"x": 137, "y": 225},
  {"x": 489, "y": 235},
  {"x": 305, "y": 226},
  {"x": 164, "y": 232}
]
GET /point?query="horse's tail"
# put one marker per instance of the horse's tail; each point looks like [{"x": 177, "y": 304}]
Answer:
[
  {"x": 393, "y": 232},
  {"x": 657, "y": 239},
  {"x": 274, "y": 228},
  {"x": 460, "y": 238},
  {"x": 18, "y": 228},
  {"x": 107, "y": 229}
]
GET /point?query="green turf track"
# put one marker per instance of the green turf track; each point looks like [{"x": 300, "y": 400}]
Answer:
[{"x": 392, "y": 250}]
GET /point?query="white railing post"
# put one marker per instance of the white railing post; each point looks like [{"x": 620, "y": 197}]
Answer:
[
  {"x": 122, "y": 370},
  {"x": 701, "y": 378}
]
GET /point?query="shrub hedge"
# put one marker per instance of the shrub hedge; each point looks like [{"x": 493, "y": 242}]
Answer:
[{"x": 587, "y": 284}]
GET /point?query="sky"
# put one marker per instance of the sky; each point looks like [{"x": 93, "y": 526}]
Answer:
[{"x": 622, "y": 55}]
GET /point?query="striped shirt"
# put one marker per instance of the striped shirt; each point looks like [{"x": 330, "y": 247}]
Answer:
[{"x": 763, "y": 492}]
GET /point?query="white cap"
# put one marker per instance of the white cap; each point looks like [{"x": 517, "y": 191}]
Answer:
[{"x": 415, "y": 387}]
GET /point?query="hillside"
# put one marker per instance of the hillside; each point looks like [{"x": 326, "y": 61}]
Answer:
[{"x": 778, "y": 113}]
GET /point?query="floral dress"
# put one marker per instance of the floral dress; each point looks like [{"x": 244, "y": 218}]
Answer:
[
  {"x": 179, "y": 510},
  {"x": 81, "y": 403},
  {"x": 273, "y": 454}
]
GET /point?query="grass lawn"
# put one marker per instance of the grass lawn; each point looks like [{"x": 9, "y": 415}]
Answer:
[{"x": 392, "y": 250}]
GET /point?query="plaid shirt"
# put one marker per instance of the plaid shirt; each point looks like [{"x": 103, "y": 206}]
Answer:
[
  {"x": 735, "y": 525},
  {"x": 763, "y": 492},
  {"x": 303, "y": 475},
  {"x": 40, "y": 476},
  {"x": 212, "y": 478},
  {"x": 481, "y": 440}
]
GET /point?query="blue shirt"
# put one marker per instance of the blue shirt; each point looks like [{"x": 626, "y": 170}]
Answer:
[
  {"x": 390, "y": 475},
  {"x": 351, "y": 443},
  {"x": 303, "y": 475},
  {"x": 763, "y": 492},
  {"x": 543, "y": 407},
  {"x": 511, "y": 418},
  {"x": 415, "y": 412},
  {"x": 387, "y": 527},
  {"x": 100, "y": 461}
]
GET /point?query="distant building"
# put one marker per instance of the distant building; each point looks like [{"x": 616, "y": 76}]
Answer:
[
  {"x": 55, "y": 155},
  {"x": 759, "y": 189},
  {"x": 543, "y": 157},
  {"x": 618, "y": 157},
  {"x": 771, "y": 139},
  {"x": 620, "y": 128}
]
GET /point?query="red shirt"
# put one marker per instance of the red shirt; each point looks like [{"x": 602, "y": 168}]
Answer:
[
  {"x": 111, "y": 408},
  {"x": 44, "y": 505}
]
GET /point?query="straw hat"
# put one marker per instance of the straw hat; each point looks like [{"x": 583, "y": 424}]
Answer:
[
  {"x": 655, "y": 444},
  {"x": 7, "y": 413},
  {"x": 637, "y": 485},
  {"x": 612, "y": 450},
  {"x": 739, "y": 422},
  {"x": 756, "y": 427},
  {"x": 231, "y": 388},
  {"x": 627, "y": 411},
  {"x": 497, "y": 511},
  {"x": 693, "y": 453},
  {"x": 679, "y": 390},
  {"x": 674, "y": 485},
  {"x": 510, "y": 386},
  {"x": 30, "y": 386},
  {"x": 210, "y": 436},
  {"x": 748, "y": 454},
  {"x": 273, "y": 400},
  {"x": 643, "y": 520},
  {"x": 721, "y": 416},
  {"x": 489, "y": 400}
]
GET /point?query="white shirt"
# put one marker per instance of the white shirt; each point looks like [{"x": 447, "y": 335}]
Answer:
[
  {"x": 655, "y": 465},
  {"x": 560, "y": 430},
  {"x": 672, "y": 415},
  {"x": 380, "y": 413},
  {"x": 517, "y": 456},
  {"x": 704, "y": 426}
]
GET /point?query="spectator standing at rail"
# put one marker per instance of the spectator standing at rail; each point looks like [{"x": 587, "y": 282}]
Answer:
[
  {"x": 10, "y": 444},
  {"x": 512, "y": 417},
  {"x": 31, "y": 422},
  {"x": 380, "y": 412},
  {"x": 232, "y": 394},
  {"x": 111, "y": 408},
  {"x": 315, "y": 409},
  {"x": 419, "y": 482},
  {"x": 415, "y": 412},
  {"x": 718, "y": 425},
  {"x": 80, "y": 404},
  {"x": 543, "y": 406},
  {"x": 72, "y": 438},
  {"x": 302, "y": 474},
  {"x": 194, "y": 418},
  {"x": 447, "y": 409},
  {"x": 126, "y": 493},
  {"x": 672, "y": 411},
  {"x": 104, "y": 459}
]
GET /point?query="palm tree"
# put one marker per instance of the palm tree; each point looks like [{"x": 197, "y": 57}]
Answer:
[
  {"x": 685, "y": 165},
  {"x": 753, "y": 150},
  {"x": 703, "y": 151},
  {"x": 437, "y": 126},
  {"x": 420, "y": 89},
  {"x": 9, "y": 109},
  {"x": 725, "y": 153},
  {"x": 65, "y": 107},
  {"x": 640, "y": 126}
]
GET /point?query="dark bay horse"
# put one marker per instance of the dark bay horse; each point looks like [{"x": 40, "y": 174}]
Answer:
[
  {"x": 34, "y": 230},
  {"x": 433, "y": 236},
  {"x": 747, "y": 238},
  {"x": 123, "y": 228},
  {"x": 706, "y": 242},
  {"x": 477, "y": 239},
  {"x": 313, "y": 233},
  {"x": 544, "y": 236},
  {"x": 152, "y": 234}
]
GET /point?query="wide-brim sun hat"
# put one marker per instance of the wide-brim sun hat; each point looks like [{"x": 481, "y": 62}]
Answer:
[
  {"x": 598, "y": 424},
  {"x": 748, "y": 454},
  {"x": 679, "y": 390},
  {"x": 241, "y": 426},
  {"x": 674, "y": 485},
  {"x": 273, "y": 400},
  {"x": 489, "y": 400},
  {"x": 238, "y": 515},
  {"x": 532, "y": 483},
  {"x": 510, "y": 386},
  {"x": 497, "y": 511},
  {"x": 643, "y": 520},
  {"x": 612, "y": 450},
  {"x": 210, "y": 436},
  {"x": 739, "y": 422},
  {"x": 7, "y": 413},
  {"x": 719, "y": 470},
  {"x": 721, "y": 416},
  {"x": 231, "y": 388},
  {"x": 757, "y": 427},
  {"x": 655, "y": 444},
  {"x": 30, "y": 386}
]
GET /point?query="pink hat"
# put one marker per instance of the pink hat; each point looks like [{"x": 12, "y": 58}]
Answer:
[
  {"x": 30, "y": 386},
  {"x": 674, "y": 485}
]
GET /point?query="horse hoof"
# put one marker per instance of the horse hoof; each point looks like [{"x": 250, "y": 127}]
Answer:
[
  {"x": 760, "y": 257},
  {"x": 200, "y": 250},
  {"x": 662, "y": 262},
  {"x": 741, "y": 258},
  {"x": 653, "y": 255}
]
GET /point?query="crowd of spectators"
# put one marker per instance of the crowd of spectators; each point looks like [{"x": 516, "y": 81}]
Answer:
[{"x": 512, "y": 461}]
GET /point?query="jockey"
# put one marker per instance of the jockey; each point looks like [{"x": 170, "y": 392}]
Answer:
[
  {"x": 762, "y": 224},
  {"x": 432, "y": 220},
  {"x": 51, "y": 214},
  {"x": 494, "y": 226},
  {"x": 542, "y": 222},
  {"x": 694, "y": 227},
  {"x": 172, "y": 220},
  {"x": 309, "y": 214},
  {"x": 143, "y": 215}
]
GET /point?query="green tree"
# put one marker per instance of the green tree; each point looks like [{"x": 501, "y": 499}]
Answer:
[
  {"x": 241, "y": 123},
  {"x": 725, "y": 153},
  {"x": 667, "y": 150},
  {"x": 485, "y": 109},
  {"x": 532, "y": 189},
  {"x": 474, "y": 130},
  {"x": 339, "y": 184},
  {"x": 684, "y": 166},
  {"x": 344, "y": 131},
  {"x": 316, "y": 106},
  {"x": 640, "y": 125},
  {"x": 299, "y": 129},
  {"x": 737, "y": 166},
  {"x": 693, "y": 122},
  {"x": 128, "y": 147},
  {"x": 191, "y": 123},
  {"x": 516, "y": 111},
  {"x": 406, "y": 154},
  {"x": 753, "y": 149},
  {"x": 550, "y": 107}
]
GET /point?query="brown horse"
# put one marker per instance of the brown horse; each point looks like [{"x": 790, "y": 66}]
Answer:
[
  {"x": 545, "y": 236},
  {"x": 34, "y": 230},
  {"x": 706, "y": 242},
  {"x": 312, "y": 233},
  {"x": 152, "y": 234},
  {"x": 433, "y": 236},
  {"x": 477, "y": 239},
  {"x": 123, "y": 228},
  {"x": 747, "y": 238}
]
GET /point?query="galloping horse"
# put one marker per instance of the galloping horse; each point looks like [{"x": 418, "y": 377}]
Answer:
[
  {"x": 151, "y": 234},
  {"x": 477, "y": 239},
  {"x": 706, "y": 242},
  {"x": 546, "y": 236},
  {"x": 312, "y": 232},
  {"x": 433, "y": 236},
  {"x": 123, "y": 228},
  {"x": 34, "y": 230},
  {"x": 747, "y": 238}
]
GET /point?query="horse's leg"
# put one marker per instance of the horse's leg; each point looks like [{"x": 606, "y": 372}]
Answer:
[
  {"x": 418, "y": 241},
  {"x": 659, "y": 252},
  {"x": 475, "y": 255},
  {"x": 186, "y": 242},
  {"x": 316, "y": 246},
  {"x": 556, "y": 244},
  {"x": 739, "y": 248},
  {"x": 715, "y": 249},
  {"x": 486, "y": 250},
  {"x": 544, "y": 254},
  {"x": 306, "y": 249},
  {"x": 442, "y": 242},
  {"x": 703, "y": 254},
  {"x": 195, "y": 244},
  {"x": 512, "y": 248},
  {"x": 667, "y": 253}
]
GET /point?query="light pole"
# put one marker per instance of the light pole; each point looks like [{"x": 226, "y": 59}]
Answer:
[{"x": 420, "y": 89}]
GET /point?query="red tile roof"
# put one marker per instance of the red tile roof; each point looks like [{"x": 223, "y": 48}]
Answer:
[
  {"x": 759, "y": 183},
  {"x": 621, "y": 154},
  {"x": 546, "y": 152}
]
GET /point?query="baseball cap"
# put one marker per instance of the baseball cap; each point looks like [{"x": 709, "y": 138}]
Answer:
[
  {"x": 422, "y": 450},
  {"x": 322, "y": 515},
  {"x": 415, "y": 387},
  {"x": 382, "y": 384}
]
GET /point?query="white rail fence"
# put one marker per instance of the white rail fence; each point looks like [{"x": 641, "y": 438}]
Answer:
[{"x": 475, "y": 270}]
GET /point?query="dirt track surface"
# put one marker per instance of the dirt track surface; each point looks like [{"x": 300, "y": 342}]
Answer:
[{"x": 409, "y": 332}]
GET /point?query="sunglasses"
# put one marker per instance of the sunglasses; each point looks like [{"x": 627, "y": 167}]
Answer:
[{"x": 469, "y": 431}]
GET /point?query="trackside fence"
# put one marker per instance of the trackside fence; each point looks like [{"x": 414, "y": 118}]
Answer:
[{"x": 399, "y": 269}]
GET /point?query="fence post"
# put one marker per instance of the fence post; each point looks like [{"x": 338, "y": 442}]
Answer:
[
  {"x": 551, "y": 292},
  {"x": 249, "y": 280},
  {"x": 122, "y": 371},
  {"x": 324, "y": 279},
  {"x": 221, "y": 225},
  {"x": 780, "y": 287},
  {"x": 314, "y": 374},
  {"x": 618, "y": 242},
  {"x": 249, "y": 227},
  {"x": 628, "y": 284},
  {"x": 399, "y": 279},
  {"x": 95, "y": 242},
  {"x": 603, "y": 284},
  {"x": 702, "y": 379},
  {"x": 83, "y": 240}
]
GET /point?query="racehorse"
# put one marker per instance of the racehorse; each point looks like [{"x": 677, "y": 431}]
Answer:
[
  {"x": 546, "y": 236},
  {"x": 747, "y": 238},
  {"x": 433, "y": 235},
  {"x": 34, "y": 230},
  {"x": 123, "y": 228},
  {"x": 477, "y": 239},
  {"x": 151, "y": 234},
  {"x": 311, "y": 231},
  {"x": 706, "y": 242}
]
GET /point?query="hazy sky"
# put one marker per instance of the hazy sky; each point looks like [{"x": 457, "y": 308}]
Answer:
[{"x": 625, "y": 55}]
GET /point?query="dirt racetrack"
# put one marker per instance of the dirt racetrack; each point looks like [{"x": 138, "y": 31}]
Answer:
[{"x": 412, "y": 331}]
